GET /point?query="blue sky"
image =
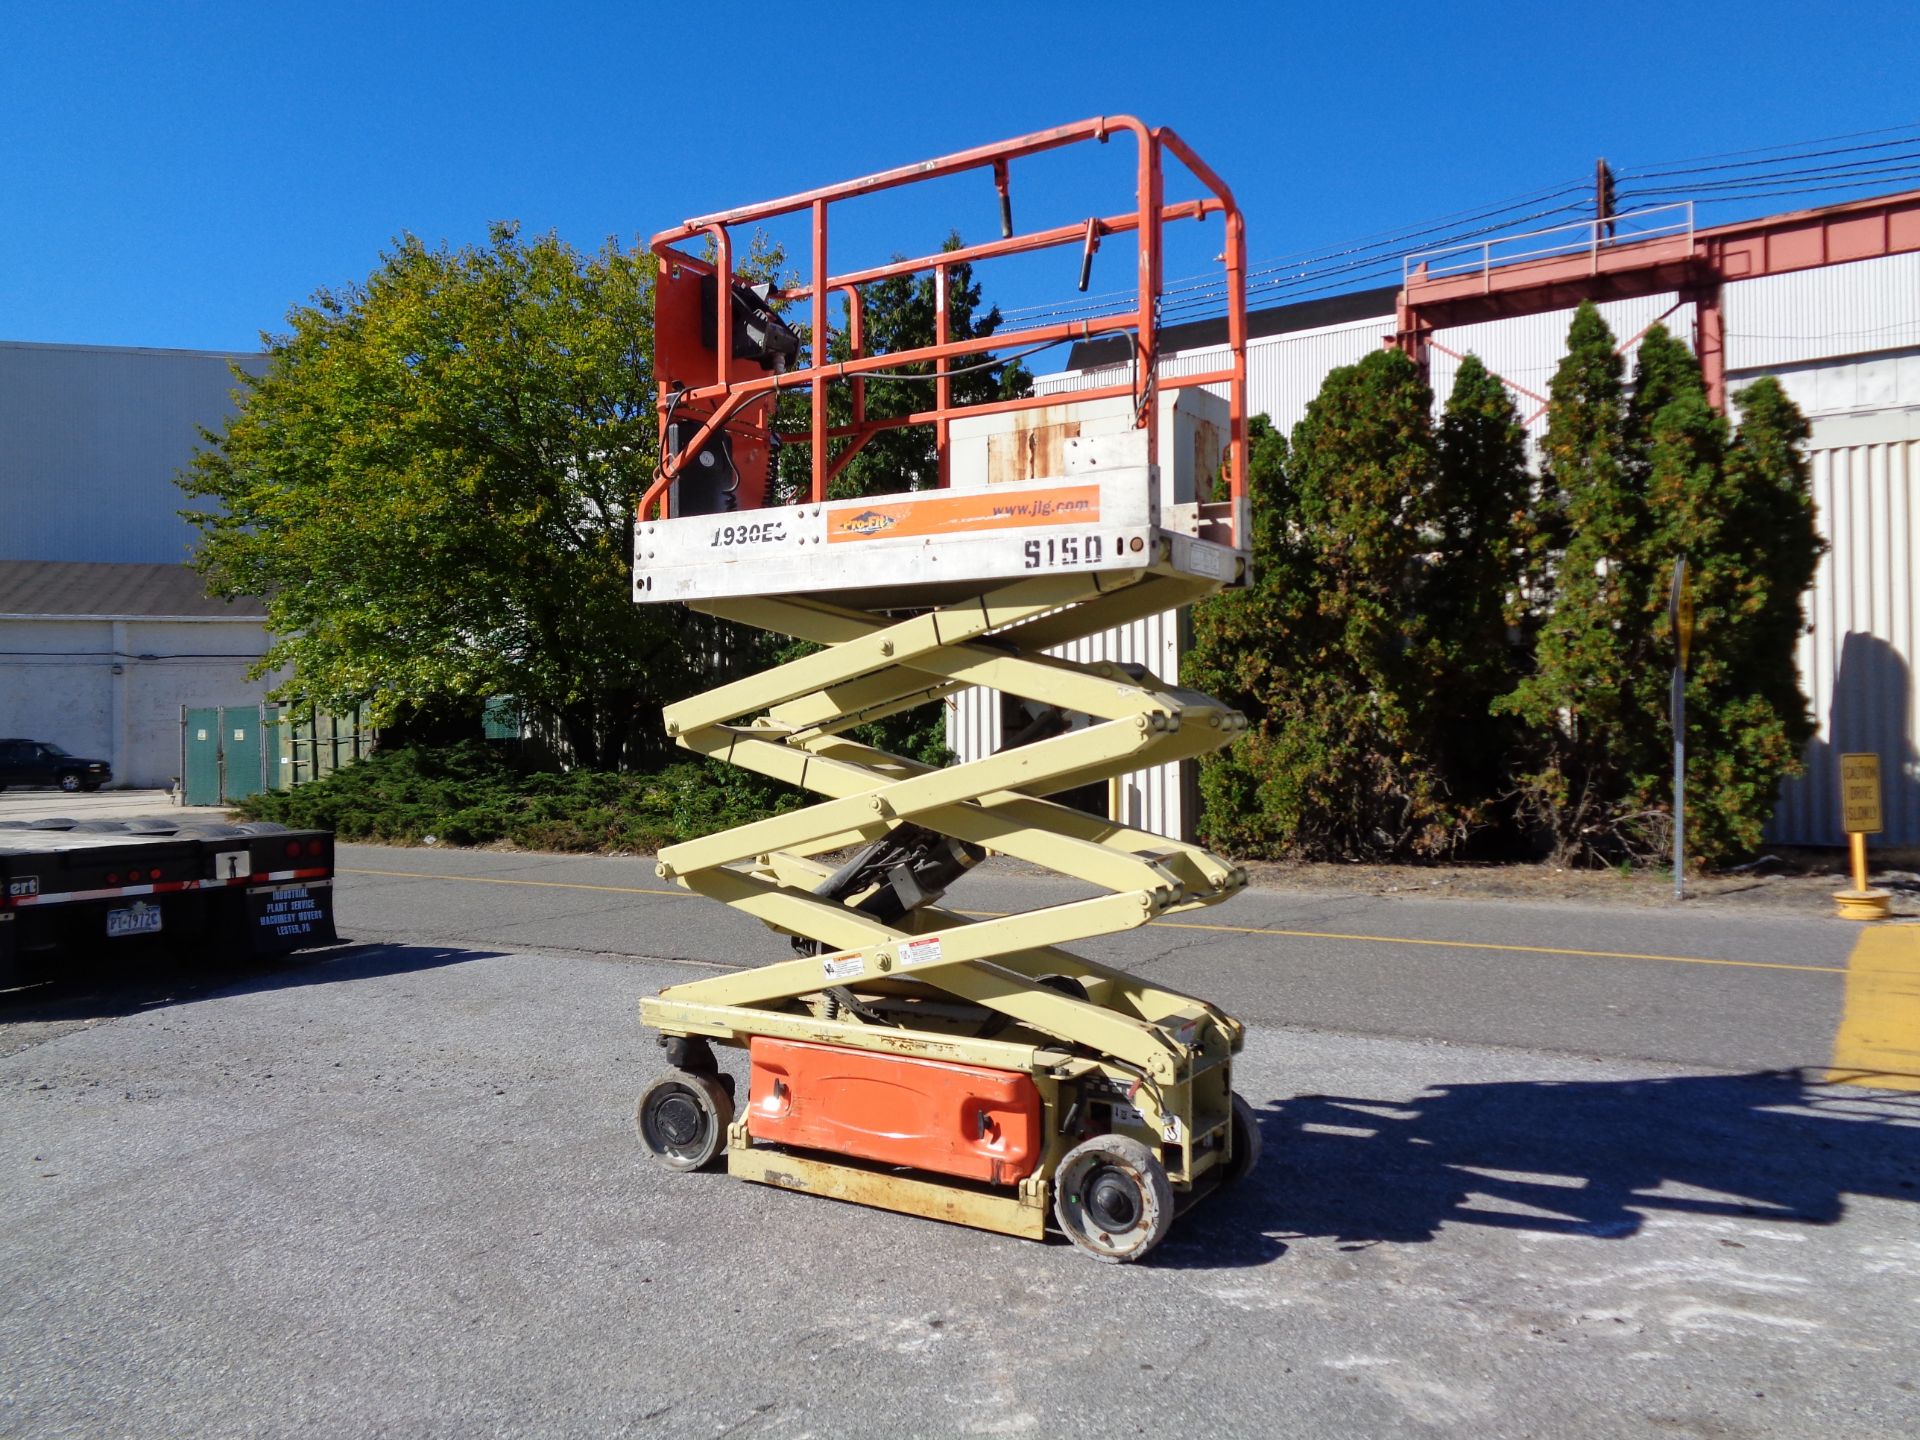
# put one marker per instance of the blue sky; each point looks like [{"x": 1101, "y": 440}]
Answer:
[{"x": 179, "y": 174}]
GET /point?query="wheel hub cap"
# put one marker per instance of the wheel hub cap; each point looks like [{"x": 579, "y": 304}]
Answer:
[
  {"x": 678, "y": 1119},
  {"x": 1112, "y": 1199}
]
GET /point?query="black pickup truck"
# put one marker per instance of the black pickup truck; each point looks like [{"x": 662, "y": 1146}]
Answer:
[{"x": 75, "y": 888}]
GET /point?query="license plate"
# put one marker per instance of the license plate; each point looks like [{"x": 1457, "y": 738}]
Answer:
[{"x": 134, "y": 920}]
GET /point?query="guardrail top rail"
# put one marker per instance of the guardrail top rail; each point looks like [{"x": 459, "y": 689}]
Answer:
[
  {"x": 1478, "y": 257},
  {"x": 704, "y": 382}
]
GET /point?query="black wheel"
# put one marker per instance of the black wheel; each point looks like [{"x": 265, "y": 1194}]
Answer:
[
  {"x": 69, "y": 783},
  {"x": 1245, "y": 1142},
  {"x": 682, "y": 1119},
  {"x": 1112, "y": 1198}
]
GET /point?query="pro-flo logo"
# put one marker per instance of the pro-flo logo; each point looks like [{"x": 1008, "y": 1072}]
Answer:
[{"x": 868, "y": 522}]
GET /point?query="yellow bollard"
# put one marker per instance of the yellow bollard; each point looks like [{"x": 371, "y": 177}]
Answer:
[{"x": 1860, "y": 817}]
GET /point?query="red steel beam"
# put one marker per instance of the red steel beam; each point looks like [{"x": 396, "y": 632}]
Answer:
[{"x": 1696, "y": 266}]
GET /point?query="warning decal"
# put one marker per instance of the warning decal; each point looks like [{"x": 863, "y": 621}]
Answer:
[
  {"x": 923, "y": 951},
  {"x": 845, "y": 967}
]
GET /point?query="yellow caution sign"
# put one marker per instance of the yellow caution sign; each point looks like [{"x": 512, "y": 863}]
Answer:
[{"x": 1860, "y": 794}]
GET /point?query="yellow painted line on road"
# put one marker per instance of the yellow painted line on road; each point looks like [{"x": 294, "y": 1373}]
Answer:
[
  {"x": 1878, "y": 1042},
  {"x": 1521, "y": 949},
  {"x": 1193, "y": 925}
]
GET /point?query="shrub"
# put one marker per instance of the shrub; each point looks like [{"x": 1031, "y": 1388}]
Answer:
[{"x": 471, "y": 794}]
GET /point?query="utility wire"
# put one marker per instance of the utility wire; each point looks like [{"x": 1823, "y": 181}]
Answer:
[
  {"x": 1862, "y": 168},
  {"x": 1788, "y": 145},
  {"x": 1647, "y": 174}
]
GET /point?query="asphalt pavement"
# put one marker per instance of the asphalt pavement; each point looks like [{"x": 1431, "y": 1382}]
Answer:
[{"x": 1531, "y": 1170}]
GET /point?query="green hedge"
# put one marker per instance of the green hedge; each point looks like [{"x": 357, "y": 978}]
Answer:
[{"x": 472, "y": 794}]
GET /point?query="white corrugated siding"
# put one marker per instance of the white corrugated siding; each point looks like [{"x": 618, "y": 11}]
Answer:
[
  {"x": 1151, "y": 799},
  {"x": 1856, "y": 664},
  {"x": 1526, "y": 350},
  {"x": 1853, "y": 309}
]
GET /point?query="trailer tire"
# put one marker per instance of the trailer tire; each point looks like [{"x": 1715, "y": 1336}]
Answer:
[{"x": 682, "y": 1119}]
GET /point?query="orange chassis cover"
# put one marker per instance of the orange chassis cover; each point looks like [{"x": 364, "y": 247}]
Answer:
[{"x": 965, "y": 1120}]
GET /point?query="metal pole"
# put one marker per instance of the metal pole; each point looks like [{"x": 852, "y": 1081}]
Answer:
[{"x": 1679, "y": 783}]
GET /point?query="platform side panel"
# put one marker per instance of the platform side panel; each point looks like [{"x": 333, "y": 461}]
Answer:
[{"x": 886, "y": 543}]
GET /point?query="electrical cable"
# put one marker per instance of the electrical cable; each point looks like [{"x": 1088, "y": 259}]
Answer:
[
  {"x": 1770, "y": 194},
  {"x": 1375, "y": 240},
  {"x": 1774, "y": 160},
  {"x": 1787, "y": 145},
  {"x": 1380, "y": 240},
  {"x": 1861, "y": 168}
]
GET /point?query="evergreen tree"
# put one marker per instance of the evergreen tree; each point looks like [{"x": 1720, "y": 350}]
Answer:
[
  {"x": 1244, "y": 644},
  {"x": 1637, "y": 479},
  {"x": 1333, "y": 653},
  {"x": 1744, "y": 518},
  {"x": 1483, "y": 487},
  {"x": 1584, "y": 737}
]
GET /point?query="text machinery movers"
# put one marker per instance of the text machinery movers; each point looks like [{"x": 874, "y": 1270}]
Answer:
[{"x": 75, "y": 891}]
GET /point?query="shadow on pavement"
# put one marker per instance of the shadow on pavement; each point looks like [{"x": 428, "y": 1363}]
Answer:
[
  {"x": 1592, "y": 1158},
  {"x": 85, "y": 989}
]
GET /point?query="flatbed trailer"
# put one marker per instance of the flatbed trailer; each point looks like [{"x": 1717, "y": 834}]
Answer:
[{"x": 72, "y": 891}]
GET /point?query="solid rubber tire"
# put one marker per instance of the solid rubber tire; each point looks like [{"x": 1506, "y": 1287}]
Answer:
[
  {"x": 1246, "y": 1142},
  {"x": 1102, "y": 1159},
  {"x": 711, "y": 1105}
]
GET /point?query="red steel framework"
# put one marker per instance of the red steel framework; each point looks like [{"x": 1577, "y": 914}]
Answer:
[
  {"x": 741, "y": 396},
  {"x": 1695, "y": 265}
]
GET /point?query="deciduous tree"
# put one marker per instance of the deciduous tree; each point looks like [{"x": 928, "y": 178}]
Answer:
[{"x": 433, "y": 484}]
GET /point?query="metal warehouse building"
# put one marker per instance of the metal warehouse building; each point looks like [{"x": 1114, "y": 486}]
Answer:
[
  {"x": 1843, "y": 338},
  {"x": 105, "y": 633}
]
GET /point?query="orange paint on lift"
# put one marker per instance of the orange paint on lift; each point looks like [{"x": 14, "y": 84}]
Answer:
[
  {"x": 965, "y": 1120},
  {"x": 963, "y": 513}
]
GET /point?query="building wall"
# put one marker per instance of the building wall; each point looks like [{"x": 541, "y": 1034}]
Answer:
[
  {"x": 1857, "y": 658},
  {"x": 1845, "y": 342},
  {"x": 57, "y": 683},
  {"x": 90, "y": 440}
]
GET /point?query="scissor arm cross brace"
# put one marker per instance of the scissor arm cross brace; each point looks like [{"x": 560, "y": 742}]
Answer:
[{"x": 876, "y": 664}]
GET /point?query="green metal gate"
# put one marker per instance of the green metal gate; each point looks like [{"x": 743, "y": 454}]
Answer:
[
  {"x": 241, "y": 774},
  {"x": 223, "y": 750},
  {"x": 200, "y": 750}
]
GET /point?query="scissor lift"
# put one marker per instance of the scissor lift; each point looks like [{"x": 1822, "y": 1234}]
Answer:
[{"x": 910, "y": 1056}]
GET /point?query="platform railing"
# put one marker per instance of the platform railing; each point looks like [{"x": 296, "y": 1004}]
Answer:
[{"x": 1139, "y": 320}]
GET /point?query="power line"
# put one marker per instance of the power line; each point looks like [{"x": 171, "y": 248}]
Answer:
[
  {"x": 1788, "y": 145},
  {"x": 1858, "y": 168},
  {"x": 1652, "y": 174}
]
